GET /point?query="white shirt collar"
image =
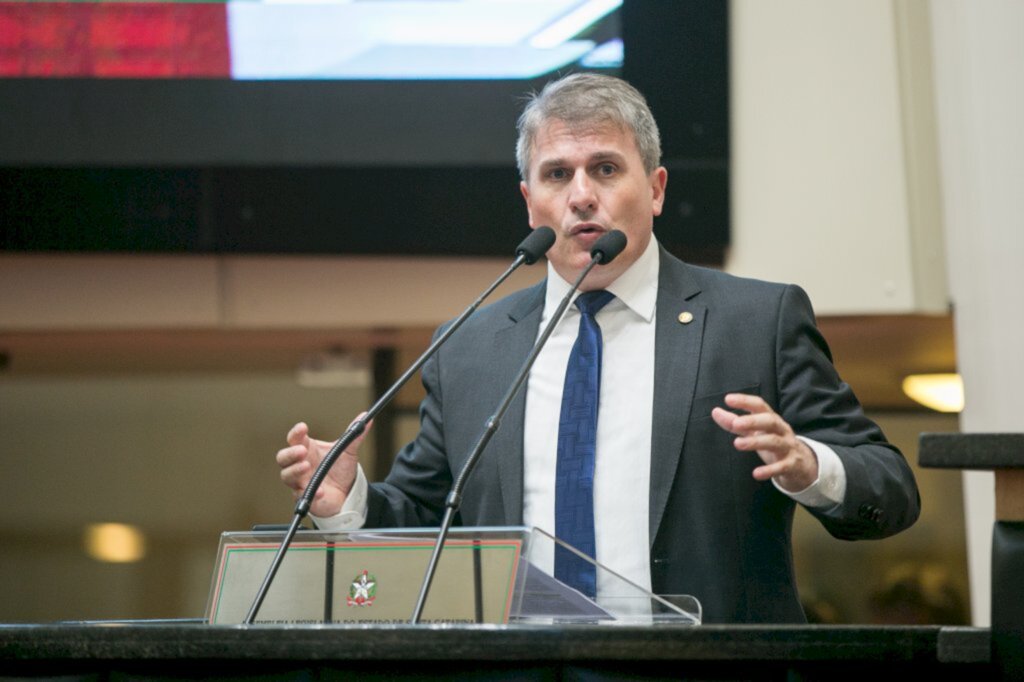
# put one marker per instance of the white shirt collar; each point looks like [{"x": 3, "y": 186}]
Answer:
[{"x": 637, "y": 287}]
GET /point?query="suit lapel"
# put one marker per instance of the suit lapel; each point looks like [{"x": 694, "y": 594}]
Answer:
[
  {"x": 677, "y": 348},
  {"x": 512, "y": 343}
]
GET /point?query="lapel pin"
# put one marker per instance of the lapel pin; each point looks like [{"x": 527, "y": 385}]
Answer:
[{"x": 685, "y": 317}]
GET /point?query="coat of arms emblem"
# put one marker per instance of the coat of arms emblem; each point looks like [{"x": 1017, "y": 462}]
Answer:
[{"x": 363, "y": 590}]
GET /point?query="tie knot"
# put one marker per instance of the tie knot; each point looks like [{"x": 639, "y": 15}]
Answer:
[{"x": 589, "y": 302}]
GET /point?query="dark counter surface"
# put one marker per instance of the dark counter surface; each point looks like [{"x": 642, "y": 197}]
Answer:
[
  {"x": 971, "y": 450},
  {"x": 183, "y": 647}
]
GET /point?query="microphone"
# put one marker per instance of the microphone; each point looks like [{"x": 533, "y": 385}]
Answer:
[
  {"x": 603, "y": 252},
  {"x": 535, "y": 245},
  {"x": 608, "y": 246}
]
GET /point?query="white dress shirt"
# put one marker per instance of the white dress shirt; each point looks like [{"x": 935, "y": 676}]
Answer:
[{"x": 622, "y": 469}]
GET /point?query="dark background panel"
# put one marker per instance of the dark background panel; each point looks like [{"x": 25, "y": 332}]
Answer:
[
  {"x": 100, "y": 209},
  {"x": 456, "y": 211},
  {"x": 677, "y": 55}
]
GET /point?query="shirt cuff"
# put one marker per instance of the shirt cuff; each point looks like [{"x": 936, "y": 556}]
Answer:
[
  {"x": 353, "y": 513},
  {"x": 830, "y": 488}
]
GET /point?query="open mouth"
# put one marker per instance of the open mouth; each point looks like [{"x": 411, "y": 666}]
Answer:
[{"x": 587, "y": 230}]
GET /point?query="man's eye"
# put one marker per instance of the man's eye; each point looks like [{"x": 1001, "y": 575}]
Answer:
[
  {"x": 558, "y": 174},
  {"x": 606, "y": 169}
]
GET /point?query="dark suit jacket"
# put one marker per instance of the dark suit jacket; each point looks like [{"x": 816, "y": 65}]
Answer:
[{"x": 715, "y": 532}]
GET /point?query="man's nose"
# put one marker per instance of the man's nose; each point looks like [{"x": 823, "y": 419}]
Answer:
[{"x": 582, "y": 197}]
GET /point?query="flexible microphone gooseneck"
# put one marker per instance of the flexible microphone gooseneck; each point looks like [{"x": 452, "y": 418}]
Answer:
[
  {"x": 529, "y": 252},
  {"x": 605, "y": 249}
]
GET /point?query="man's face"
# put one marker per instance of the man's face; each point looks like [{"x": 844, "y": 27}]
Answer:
[{"x": 585, "y": 182}]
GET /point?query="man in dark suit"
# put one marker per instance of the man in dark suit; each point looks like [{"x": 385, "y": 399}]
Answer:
[{"x": 719, "y": 406}]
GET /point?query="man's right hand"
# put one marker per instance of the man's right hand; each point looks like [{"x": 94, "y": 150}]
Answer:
[{"x": 300, "y": 459}]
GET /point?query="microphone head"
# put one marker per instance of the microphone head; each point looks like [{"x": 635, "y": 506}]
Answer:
[
  {"x": 608, "y": 247},
  {"x": 536, "y": 244}
]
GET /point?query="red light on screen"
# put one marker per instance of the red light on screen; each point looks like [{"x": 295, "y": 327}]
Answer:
[{"x": 114, "y": 40}]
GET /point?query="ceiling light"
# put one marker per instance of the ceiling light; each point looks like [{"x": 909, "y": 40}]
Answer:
[
  {"x": 114, "y": 542},
  {"x": 940, "y": 392}
]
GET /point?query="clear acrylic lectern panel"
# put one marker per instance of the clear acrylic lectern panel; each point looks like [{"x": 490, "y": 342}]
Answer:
[
  {"x": 485, "y": 575},
  {"x": 539, "y": 597}
]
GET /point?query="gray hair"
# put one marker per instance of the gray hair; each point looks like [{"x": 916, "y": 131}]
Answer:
[{"x": 588, "y": 99}]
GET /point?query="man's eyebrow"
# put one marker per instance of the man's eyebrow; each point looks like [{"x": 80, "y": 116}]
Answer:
[
  {"x": 547, "y": 163},
  {"x": 596, "y": 157},
  {"x": 606, "y": 156}
]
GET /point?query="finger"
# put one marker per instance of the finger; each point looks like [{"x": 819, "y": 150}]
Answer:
[
  {"x": 287, "y": 456},
  {"x": 770, "y": 422},
  {"x": 298, "y": 433},
  {"x": 748, "y": 424},
  {"x": 724, "y": 418},
  {"x": 296, "y": 476},
  {"x": 764, "y": 442},
  {"x": 750, "y": 403},
  {"x": 763, "y": 473}
]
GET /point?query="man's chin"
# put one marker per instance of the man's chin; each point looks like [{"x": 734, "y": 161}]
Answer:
[
  {"x": 570, "y": 268},
  {"x": 581, "y": 261}
]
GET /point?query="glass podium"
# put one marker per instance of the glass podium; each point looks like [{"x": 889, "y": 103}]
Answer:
[{"x": 485, "y": 575}]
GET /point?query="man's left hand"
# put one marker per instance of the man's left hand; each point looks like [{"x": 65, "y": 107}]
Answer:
[{"x": 787, "y": 459}]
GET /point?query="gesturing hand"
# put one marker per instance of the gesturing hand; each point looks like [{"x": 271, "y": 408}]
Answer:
[
  {"x": 303, "y": 455},
  {"x": 787, "y": 459}
]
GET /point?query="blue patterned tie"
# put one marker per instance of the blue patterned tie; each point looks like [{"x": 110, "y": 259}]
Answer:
[{"x": 577, "y": 439}]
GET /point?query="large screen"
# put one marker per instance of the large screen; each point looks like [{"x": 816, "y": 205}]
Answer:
[
  {"x": 329, "y": 126},
  {"x": 334, "y": 39}
]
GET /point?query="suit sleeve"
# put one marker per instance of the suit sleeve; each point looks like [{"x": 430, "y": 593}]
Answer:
[
  {"x": 414, "y": 491},
  {"x": 881, "y": 494}
]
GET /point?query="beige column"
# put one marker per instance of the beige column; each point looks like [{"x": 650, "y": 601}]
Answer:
[{"x": 978, "y": 50}]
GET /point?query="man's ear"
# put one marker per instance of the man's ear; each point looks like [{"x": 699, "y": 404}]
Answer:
[
  {"x": 659, "y": 179},
  {"x": 525, "y": 191}
]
